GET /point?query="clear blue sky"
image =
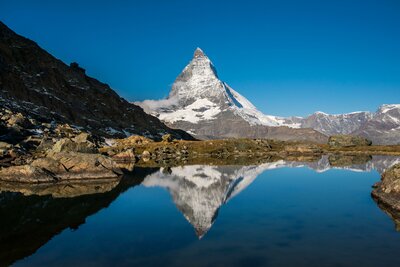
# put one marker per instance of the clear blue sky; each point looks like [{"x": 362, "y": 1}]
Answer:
[{"x": 287, "y": 57}]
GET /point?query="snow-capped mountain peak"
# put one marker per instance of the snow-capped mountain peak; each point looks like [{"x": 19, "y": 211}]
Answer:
[
  {"x": 199, "y": 95},
  {"x": 388, "y": 107},
  {"x": 199, "y": 53}
]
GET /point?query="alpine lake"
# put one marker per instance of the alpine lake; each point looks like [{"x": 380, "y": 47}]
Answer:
[{"x": 278, "y": 213}]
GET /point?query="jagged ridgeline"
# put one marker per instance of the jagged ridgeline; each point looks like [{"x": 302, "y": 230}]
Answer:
[{"x": 39, "y": 85}]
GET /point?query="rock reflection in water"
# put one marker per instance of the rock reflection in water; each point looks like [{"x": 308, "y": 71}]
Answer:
[
  {"x": 62, "y": 189},
  {"x": 29, "y": 221}
]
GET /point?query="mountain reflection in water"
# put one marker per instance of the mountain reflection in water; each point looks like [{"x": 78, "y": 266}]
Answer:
[
  {"x": 198, "y": 191},
  {"x": 31, "y": 216}
]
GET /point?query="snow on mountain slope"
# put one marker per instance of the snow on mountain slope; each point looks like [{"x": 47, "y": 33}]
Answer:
[
  {"x": 199, "y": 95},
  {"x": 336, "y": 124},
  {"x": 384, "y": 125}
]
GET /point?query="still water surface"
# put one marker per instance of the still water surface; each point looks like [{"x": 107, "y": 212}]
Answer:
[{"x": 274, "y": 214}]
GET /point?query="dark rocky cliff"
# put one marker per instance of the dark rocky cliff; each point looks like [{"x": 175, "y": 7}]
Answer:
[{"x": 39, "y": 85}]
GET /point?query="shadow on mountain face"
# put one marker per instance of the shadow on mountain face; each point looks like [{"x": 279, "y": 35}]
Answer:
[{"x": 29, "y": 222}]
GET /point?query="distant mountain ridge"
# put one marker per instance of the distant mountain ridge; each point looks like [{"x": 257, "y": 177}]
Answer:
[
  {"x": 37, "y": 84},
  {"x": 205, "y": 106},
  {"x": 382, "y": 126}
]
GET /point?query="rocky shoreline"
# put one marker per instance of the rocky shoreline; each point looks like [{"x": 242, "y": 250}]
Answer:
[
  {"x": 41, "y": 152},
  {"x": 387, "y": 193},
  {"x": 64, "y": 161}
]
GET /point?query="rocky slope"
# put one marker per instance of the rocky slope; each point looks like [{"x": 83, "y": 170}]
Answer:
[
  {"x": 202, "y": 104},
  {"x": 40, "y": 86},
  {"x": 382, "y": 126},
  {"x": 335, "y": 124},
  {"x": 387, "y": 194}
]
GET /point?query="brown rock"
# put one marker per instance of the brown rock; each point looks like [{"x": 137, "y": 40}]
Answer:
[
  {"x": 18, "y": 119},
  {"x": 127, "y": 155},
  {"x": 167, "y": 138},
  {"x": 63, "y": 166},
  {"x": 302, "y": 149},
  {"x": 390, "y": 182},
  {"x": 26, "y": 173},
  {"x": 146, "y": 155},
  {"x": 81, "y": 138},
  {"x": 387, "y": 193},
  {"x": 4, "y": 145},
  {"x": 337, "y": 141},
  {"x": 68, "y": 145},
  {"x": 132, "y": 141}
]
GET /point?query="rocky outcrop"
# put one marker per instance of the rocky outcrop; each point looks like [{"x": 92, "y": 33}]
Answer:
[
  {"x": 302, "y": 149},
  {"x": 390, "y": 182},
  {"x": 41, "y": 153},
  {"x": 68, "y": 145},
  {"x": 36, "y": 84},
  {"x": 338, "y": 141},
  {"x": 62, "y": 166},
  {"x": 387, "y": 193}
]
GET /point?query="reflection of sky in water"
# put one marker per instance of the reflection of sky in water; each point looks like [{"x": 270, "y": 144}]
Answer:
[{"x": 286, "y": 216}]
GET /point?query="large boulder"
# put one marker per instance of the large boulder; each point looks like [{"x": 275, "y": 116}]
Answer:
[
  {"x": 390, "y": 182},
  {"x": 132, "y": 141},
  {"x": 26, "y": 173},
  {"x": 17, "y": 119},
  {"x": 337, "y": 141},
  {"x": 302, "y": 149},
  {"x": 63, "y": 166},
  {"x": 78, "y": 144},
  {"x": 127, "y": 155}
]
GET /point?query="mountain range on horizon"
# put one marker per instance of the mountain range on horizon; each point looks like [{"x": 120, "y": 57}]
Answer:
[{"x": 206, "y": 107}]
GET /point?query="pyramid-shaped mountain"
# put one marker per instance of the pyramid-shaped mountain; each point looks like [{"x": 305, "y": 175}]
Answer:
[{"x": 203, "y": 105}]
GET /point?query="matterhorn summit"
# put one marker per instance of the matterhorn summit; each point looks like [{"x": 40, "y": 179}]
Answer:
[
  {"x": 200, "y": 95},
  {"x": 207, "y": 107}
]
